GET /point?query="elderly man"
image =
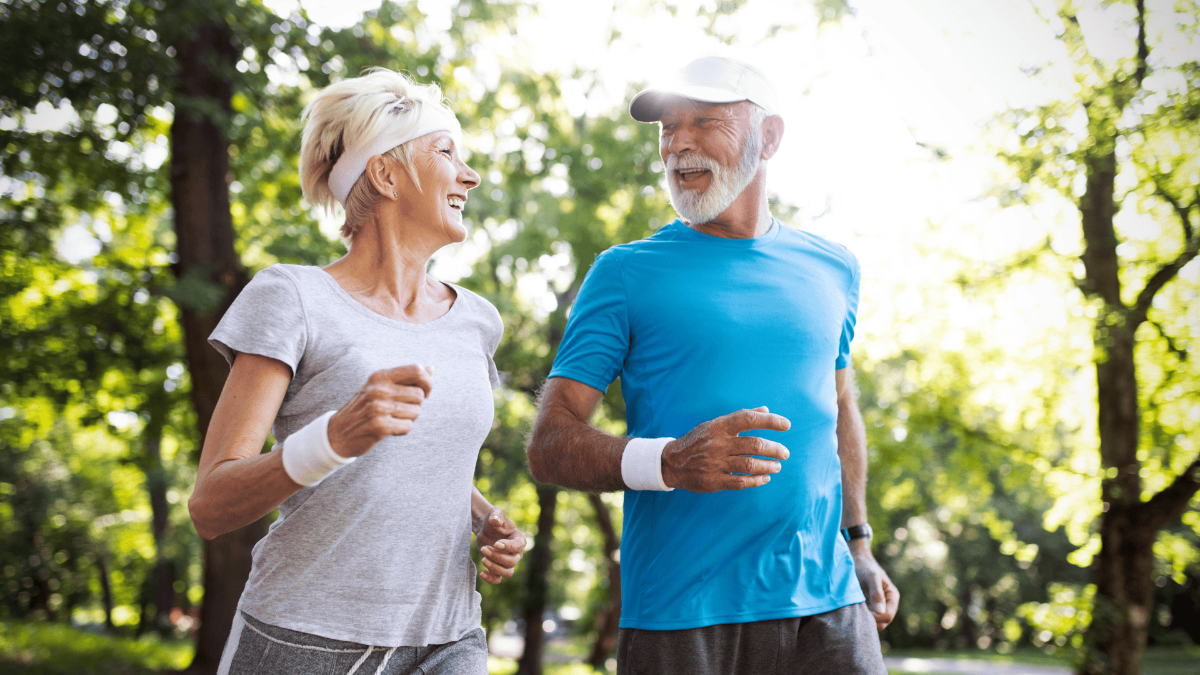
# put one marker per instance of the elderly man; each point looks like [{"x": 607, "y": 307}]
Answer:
[{"x": 745, "y": 464}]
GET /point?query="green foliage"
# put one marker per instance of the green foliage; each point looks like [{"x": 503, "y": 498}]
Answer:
[
  {"x": 50, "y": 502},
  {"x": 1064, "y": 619},
  {"x": 958, "y": 502},
  {"x": 40, "y": 649}
]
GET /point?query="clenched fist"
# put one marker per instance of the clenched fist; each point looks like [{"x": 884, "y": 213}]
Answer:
[{"x": 387, "y": 405}]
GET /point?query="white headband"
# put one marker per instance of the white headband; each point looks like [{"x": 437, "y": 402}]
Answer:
[{"x": 353, "y": 162}]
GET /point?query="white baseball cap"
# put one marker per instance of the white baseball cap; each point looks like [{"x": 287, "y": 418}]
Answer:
[{"x": 712, "y": 79}]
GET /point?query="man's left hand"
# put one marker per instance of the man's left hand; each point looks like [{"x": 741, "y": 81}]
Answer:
[
  {"x": 882, "y": 595},
  {"x": 501, "y": 545}
]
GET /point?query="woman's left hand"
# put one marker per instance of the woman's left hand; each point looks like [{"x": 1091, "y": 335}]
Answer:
[{"x": 501, "y": 544}]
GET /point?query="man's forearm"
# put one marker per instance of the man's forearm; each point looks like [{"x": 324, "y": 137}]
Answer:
[
  {"x": 584, "y": 458},
  {"x": 564, "y": 449},
  {"x": 852, "y": 451}
]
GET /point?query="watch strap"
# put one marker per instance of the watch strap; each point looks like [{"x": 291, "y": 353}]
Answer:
[{"x": 857, "y": 532}]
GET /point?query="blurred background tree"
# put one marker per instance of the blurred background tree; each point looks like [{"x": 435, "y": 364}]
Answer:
[
  {"x": 167, "y": 176},
  {"x": 1124, "y": 151}
]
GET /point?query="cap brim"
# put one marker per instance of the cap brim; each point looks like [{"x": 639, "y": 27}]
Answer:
[{"x": 648, "y": 105}]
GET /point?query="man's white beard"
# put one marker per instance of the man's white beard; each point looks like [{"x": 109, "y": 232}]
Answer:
[{"x": 723, "y": 188}]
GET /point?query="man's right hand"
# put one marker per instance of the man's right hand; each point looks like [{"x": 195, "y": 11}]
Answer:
[{"x": 706, "y": 459}]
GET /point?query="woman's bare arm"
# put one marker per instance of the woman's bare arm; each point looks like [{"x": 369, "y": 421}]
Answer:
[{"x": 236, "y": 484}]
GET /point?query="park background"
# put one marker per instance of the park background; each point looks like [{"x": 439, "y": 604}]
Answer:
[{"x": 148, "y": 168}]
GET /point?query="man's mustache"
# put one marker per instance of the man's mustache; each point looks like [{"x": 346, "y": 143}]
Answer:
[{"x": 692, "y": 161}]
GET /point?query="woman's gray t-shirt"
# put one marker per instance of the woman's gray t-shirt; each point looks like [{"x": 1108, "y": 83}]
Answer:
[{"x": 379, "y": 551}]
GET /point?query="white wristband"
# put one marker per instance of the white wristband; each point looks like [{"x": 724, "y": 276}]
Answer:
[
  {"x": 307, "y": 455},
  {"x": 641, "y": 464}
]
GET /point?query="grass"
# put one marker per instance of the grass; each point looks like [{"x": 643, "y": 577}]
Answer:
[
  {"x": 1172, "y": 660},
  {"x": 28, "y": 648}
]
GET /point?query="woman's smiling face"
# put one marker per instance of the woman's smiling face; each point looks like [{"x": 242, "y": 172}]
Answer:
[{"x": 444, "y": 182}]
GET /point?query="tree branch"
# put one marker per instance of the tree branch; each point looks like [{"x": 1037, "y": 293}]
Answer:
[
  {"x": 1168, "y": 504},
  {"x": 1191, "y": 247},
  {"x": 1072, "y": 37},
  {"x": 1004, "y": 270},
  {"x": 1181, "y": 210},
  {"x": 1172, "y": 346},
  {"x": 1164, "y": 274},
  {"x": 611, "y": 541},
  {"x": 1143, "y": 49}
]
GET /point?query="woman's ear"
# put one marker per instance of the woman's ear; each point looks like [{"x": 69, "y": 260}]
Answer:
[{"x": 384, "y": 177}]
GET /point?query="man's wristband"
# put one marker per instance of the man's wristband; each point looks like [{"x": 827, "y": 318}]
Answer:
[
  {"x": 641, "y": 464},
  {"x": 307, "y": 455},
  {"x": 857, "y": 532}
]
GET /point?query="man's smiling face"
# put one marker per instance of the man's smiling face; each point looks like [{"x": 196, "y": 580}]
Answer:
[{"x": 711, "y": 152}]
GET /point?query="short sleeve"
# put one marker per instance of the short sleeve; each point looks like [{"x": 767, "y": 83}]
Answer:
[
  {"x": 266, "y": 318},
  {"x": 596, "y": 340},
  {"x": 843, "y": 358},
  {"x": 491, "y": 342}
]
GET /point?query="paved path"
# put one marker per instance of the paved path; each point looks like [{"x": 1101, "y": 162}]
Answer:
[{"x": 968, "y": 667}]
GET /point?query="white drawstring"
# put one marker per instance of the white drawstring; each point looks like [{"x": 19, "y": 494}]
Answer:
[
  {"x": 358, "y": 663},
  {"x": 386, "y": 657},
  {"x": 378, "y": 671}
]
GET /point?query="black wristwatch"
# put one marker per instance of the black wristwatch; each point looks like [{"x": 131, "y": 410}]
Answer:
[{"x": 857, "y": 532}]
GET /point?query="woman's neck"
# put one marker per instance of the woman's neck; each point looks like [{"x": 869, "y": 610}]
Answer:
[{"x": 386, "y": 272}]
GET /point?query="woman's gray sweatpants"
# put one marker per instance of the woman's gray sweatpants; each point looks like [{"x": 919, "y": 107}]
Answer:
[
  {"x": 257, "y": 648},
  {"x": 841, "y": 642}
]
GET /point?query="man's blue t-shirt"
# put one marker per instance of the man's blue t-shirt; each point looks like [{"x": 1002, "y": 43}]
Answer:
[{"x": 697, "y": 327}]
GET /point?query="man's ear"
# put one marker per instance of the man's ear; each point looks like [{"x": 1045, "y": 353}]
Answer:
[
  {"x": 384, "y": 176},
  {"x": 772, "y": 134}
]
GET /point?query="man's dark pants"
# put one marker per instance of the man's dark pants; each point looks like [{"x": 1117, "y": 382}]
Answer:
[{"x": 842, "y": 642}]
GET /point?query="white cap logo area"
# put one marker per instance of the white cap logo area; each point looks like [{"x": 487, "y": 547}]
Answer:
[{"x": 712, "y": 79}]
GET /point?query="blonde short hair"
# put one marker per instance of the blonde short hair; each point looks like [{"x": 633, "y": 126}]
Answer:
[{"x": 348, "y": 114}]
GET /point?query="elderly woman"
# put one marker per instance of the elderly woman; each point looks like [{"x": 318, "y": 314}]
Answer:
[{"x": 376, "y": 379}]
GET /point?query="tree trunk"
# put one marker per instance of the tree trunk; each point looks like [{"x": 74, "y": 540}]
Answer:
[
  {"x": 970, "y": 634},
  {"x": 163, "y": 592},
  {"x": 205, "y": 246},
  {"x": 1124, "y": 594},
  {"x": 105, "y": 590},
  {"x": 1123, "y": 568},
  {"x": 145, "y": 601},
  {"x": 608, "y": 618},
  {"x": 536, "y": 590},
  {"x": 1117, "y": 635}
]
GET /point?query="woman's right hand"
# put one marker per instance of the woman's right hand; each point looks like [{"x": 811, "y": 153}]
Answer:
[{"x": 387, "y": 405}]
